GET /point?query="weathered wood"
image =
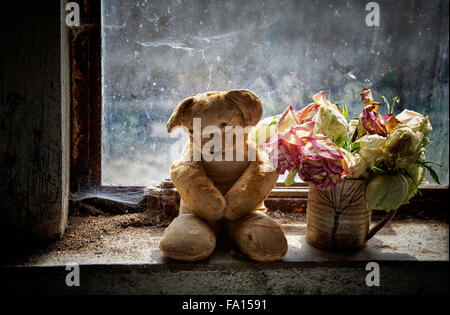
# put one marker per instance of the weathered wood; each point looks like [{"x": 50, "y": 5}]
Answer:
[
  {"x": 34, "y": 120},
  {"x": 86, "y": 98}
]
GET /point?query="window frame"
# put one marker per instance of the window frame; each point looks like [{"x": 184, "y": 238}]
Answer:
[
  {"x": 86, "y": 97},
  {"x": 85, "y": 53}
]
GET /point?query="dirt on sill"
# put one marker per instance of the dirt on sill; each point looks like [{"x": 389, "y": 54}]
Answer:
[
  {"x": 88, "y": 230},
  {"x": 93, "y": 230}
]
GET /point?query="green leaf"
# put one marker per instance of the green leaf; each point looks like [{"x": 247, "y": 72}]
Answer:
[
  {"x": 354, "y": 147},
  {"x": 290, "y": 178},
  {"x": 345, "y": 146},
  {"x": 272, "y": 123},
  {"x": 345, "y": 111},
  {"x": 344, "y": 108},
  {"x": 393, "y": 103},
  {"x": 428, "y": 162},
  {"x": 433, "y": 174}
]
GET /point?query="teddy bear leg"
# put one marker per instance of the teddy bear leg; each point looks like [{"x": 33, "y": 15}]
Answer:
[
  {"x": 188, "y": 238},
  {"x": 259, "y": 237}
]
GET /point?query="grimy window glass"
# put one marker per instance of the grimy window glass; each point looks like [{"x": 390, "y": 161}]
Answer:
[{"x": 156, "y": 53}]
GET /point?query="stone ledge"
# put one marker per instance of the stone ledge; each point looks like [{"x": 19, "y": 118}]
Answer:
[
  {"x": 408, "y": 277},
  {"x": 412, "y": 254},
  {"x": 400, "y": 240}
]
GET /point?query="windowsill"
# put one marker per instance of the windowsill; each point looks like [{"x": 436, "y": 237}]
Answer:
[
  {"x": 131, "y": 243},
  {"x": 116, "y": 251}
]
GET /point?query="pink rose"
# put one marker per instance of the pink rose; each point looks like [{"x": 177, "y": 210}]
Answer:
[
  {"x": 294, "y": 146},
  {"x": 284, "y": 148},
  {"x": 321, "y": 163},
  {"x": 284, "y": 157}
]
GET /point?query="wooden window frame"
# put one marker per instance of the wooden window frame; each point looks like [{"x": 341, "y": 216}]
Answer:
[
  {"x": 86, "y": 98},
  {"x": 86, "y": 125}
]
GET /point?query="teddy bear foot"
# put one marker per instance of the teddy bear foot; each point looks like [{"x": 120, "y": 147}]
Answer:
[
  {"x": 259, "y": 237},
  {"x": 188, "y": 238}
]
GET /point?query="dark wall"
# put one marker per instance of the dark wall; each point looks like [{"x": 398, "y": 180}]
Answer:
[{"x": 33, "y": 119}]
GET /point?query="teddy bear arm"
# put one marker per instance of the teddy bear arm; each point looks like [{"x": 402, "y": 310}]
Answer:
[
  {"x": 197, "y": 191},
  {"x": 249, "y": 191}
]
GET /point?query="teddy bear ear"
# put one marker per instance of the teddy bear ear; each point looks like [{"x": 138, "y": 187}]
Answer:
[
  {"x": 178, "y": 113},
  {"x": 249, "y": 104}
]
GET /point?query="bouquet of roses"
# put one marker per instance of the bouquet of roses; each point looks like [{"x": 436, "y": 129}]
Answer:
[{"x": 320, "y": 145}]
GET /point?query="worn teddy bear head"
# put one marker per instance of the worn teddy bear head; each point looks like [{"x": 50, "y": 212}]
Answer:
[{"x": 231, "y": 108}]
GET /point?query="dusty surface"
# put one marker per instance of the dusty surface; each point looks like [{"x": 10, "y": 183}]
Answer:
[{"x": 134, "y": 238}]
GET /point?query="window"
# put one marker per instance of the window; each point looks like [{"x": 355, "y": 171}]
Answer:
[{"x": 156, "y": 53}]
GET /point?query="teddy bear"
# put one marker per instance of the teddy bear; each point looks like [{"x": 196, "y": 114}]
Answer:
[{"x": 222, "y": 194}]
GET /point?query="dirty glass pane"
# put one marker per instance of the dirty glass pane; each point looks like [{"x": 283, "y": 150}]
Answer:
[{"x": 156, "y": 53}]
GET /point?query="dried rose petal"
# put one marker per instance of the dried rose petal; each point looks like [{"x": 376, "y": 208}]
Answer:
[
  {"x": 307, "y": 113},
  {"x": 372, "y": 123},
  {"x": 320, "y": 99},
  {"x": 349, "y": 161},
  {"x": 390, "y": 122},
  {"x": 366, "y": 96},
  {"x": 287, "y": 121}
]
